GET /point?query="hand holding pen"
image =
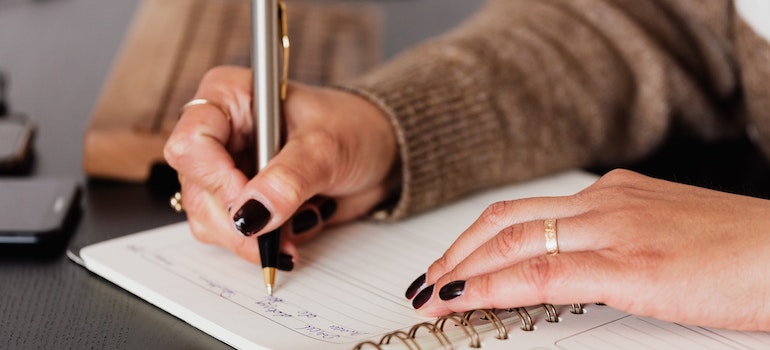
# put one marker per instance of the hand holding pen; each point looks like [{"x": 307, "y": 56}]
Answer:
[
  {"x": 269, "y": 32},
  {"x": 338, "y": 151}
]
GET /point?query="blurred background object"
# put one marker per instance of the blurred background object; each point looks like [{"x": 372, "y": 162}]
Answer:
[{"x": 172, "y": 43}]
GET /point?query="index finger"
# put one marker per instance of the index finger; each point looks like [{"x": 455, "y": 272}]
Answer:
[
  {"x": 494, "y": 220},
  {"x": 207, "y": 134}
]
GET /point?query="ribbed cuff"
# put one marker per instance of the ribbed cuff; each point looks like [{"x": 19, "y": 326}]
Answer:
[{"x": 448, "y": 136}]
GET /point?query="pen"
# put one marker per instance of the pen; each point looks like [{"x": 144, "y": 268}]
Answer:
[{"x": 268, "y": 27}]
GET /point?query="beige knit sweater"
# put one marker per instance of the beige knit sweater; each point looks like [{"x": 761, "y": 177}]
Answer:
[{"x": 526, "y": 88}]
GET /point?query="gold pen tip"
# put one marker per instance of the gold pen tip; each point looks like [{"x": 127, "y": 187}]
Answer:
[{"x": 269, "y": 276}]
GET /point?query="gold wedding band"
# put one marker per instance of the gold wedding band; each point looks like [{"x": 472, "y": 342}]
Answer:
[
  {"x": 176, "y": 202},
  {"x": 203, "y": 101},
  {"x": 551, "y": 242}
]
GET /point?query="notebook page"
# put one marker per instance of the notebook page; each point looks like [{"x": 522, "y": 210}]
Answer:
[
  {"x": 634, "y": 332},
  {"x": 347, "y": 287},
  {"x": 315, "y": 307}
]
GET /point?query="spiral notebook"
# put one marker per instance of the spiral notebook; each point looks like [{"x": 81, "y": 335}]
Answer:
[{"x": 347, "y": 290}]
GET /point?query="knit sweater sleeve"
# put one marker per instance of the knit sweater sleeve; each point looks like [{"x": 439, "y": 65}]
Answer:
[{"x": 525, "y": 88}]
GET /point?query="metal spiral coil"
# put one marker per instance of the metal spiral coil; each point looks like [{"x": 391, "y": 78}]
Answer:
[{"x": 436, "y": 329}]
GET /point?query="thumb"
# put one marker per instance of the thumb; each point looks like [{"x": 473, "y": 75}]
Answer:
[{"x": 299, "y": 171}]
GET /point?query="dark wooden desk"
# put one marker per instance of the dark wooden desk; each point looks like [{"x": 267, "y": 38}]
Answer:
[{"x": 57, "y": 54}]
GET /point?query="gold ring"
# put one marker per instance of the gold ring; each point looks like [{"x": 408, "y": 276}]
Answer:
[
  {"x": 176, "y": 202},
  {"x": 203, "y": 101},
  {"x": 551, "y": 242}
]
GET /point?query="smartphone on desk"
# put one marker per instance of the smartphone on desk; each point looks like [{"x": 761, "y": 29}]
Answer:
[{"x": 37, "y": 211}]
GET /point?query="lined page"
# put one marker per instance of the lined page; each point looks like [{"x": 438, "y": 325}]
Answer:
[
  {"x": 647, "y": 333},
  {"x": 316, "y": 306}
]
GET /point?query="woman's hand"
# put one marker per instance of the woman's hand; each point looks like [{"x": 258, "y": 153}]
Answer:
[
  {"x": 646, "y": 246},
  {"x": 338, "y": 152}
]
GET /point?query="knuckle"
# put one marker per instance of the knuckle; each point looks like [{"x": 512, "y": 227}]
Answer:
[
  {"x": 619, "y": 174},
  {"x": 440, "y": 267},
  {"x": 176, "y": 149},
  {"x": 539, "y": 273},
  {"x": 496, "y": 214},
  {"x": 509, "y": 241},
  {"x": 619, "y": 178},
  {"x": 485, "y": 287}
]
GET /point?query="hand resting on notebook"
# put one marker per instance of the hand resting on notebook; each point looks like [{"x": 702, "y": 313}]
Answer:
[{"x": 645, "y": 246}]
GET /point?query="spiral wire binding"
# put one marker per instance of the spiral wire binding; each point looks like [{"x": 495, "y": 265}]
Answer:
[
  {"x": 440, "y": 335},
  {"x": 404, "y": 337},
  {"x": 577, "y": 309},
  {"x": 502, "y": 332},
  {"x": 409, "y": 339},
  {"x": 551, "y": 316}
]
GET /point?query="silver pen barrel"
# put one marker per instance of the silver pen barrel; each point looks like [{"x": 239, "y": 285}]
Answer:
[{"x": 265, "y": 58}]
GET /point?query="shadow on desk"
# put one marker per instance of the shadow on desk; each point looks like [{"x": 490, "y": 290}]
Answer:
[{"x": 734, "y": 165}]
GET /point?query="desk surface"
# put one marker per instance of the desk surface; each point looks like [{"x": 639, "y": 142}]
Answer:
[{"x": 57, "y": 54}]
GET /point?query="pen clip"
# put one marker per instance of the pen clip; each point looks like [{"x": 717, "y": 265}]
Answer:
[{"x": 285, "y": 44}]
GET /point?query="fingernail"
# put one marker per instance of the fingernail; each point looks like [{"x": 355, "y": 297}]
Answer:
[
  {"x": 304, "y": 221},
  {"x": 285, "y": 262},
  {"x": 327, "y": 209},
  {"x": 451, "y": 290},
  {"x": 252, "y": 217},
  {"x": 423, "y": 297},
  {"x": 415, "y": 287}
]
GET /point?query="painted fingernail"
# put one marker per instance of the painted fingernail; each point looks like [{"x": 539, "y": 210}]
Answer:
[
  {"x": 423, "y": 297},
  {"x": 285, "y": 262},
  {"x": 327, "y": 209},
  {"x": 451, "y": 290},
  {"x": 415, "y": 287},
  {"x": 251, "y": 218},
  {"x": 304, "y": 221}
]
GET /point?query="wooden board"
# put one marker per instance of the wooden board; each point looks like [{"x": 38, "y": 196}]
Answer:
[{"x": 172, "y": 43}]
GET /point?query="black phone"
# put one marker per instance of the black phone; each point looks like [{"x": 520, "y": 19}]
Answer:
[{"x": 37, "y": 211}]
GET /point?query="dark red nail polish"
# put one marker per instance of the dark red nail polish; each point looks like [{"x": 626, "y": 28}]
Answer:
[
  {"x": 252, "y": 217},
  {"x": 415, "y": 287},
  {"x": 423, "y": 297},
  {"x": 285, "y": 262},
  {"x": 451, "y": 290},
  {"x": 327, "y": 208},
  {"x": 304, "y": 221}
]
